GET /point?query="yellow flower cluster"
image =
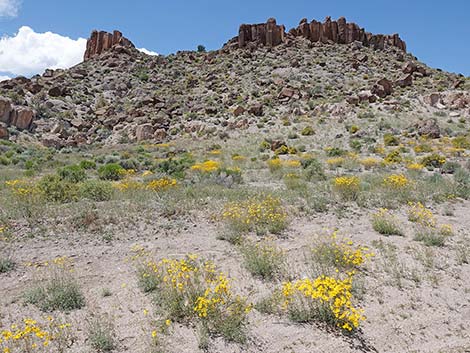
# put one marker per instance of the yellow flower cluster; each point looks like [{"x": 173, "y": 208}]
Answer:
[
  {"x": 347, "y": 186},
  {"x": 415, "y": 166},
  {"x": 344, "y": 253},
  {"x": 60, "y": 262},
  {"x": 198, "y": 286},
  {"x": 370, "y": 162},
  {"x": 326, "y": 292},
  {"x": 207, "y": 166},
  {"x": 161, "y": 184},
  {"x": 30, "y": 335},
  {"x": 335, "y": 162},
  {"x": 254, "y": 213},
  {"x": 396, "y": 181},
  {"x": 277, "y": 163},
  {"x": 22, "y": 188},
  {"x": 418, "y": 213},
  {"x": 347, "y": 182},
  {"x": 153, "y": 185}
]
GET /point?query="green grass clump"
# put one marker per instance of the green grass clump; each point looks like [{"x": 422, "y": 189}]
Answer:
[
  {"x": 101, "y": 335},
  {"x": 263, "y": 259},
  {"x": 59, "y": 291}
]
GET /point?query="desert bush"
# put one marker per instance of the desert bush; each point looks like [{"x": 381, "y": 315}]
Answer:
[
  {"x": 313, "y": 170},
  {"x": 57, "y": 190},
  {"x": 111, "y": 171},
  {"x": 307, "y": 131},
  {"x": 347, "y": 187},
  {"x": 427, "y": 230},
  {"x": 293, "y": 181},
  {"x": 335, "y": 152},
  {"x": 433, "y": 161},
  {"x": 72, "y": 173},
  {"x": 57, "y": 290},
  {"x": 30, "y": 336},
  {"x": 193, "y": 289},
  {"x": 391, "y": 140},
  {"x": 325, "y": 299},
  {"x": 6, "y": 264},
  {"x": 96, "y": 190},
  {"x": 385, "y": 223},
  {"x": 333, "y": 253},
  {"x": 261, "y": 215},
  {"x": 87, "y": 164},
  {"x": 101, "y": 334},
  {"x": 263, "y": 259}
]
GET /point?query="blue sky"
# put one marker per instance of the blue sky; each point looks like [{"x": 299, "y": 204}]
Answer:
[{"x": 437, "y": 32}]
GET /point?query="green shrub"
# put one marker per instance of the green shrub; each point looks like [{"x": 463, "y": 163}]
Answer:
[
  {"x": 72, "y": 173},
  {"x": 307, "y": 131},
  {"x": 87, "y": 164},
  {"x": 263, "y": 259},
  {"x": 175, "y": 167},
  {"x": 6, "y": 264},
  {"x": 313, "y": 169},
  {"x": 101, "y": 334},
  {"x": 57, "y": 190},
  {"x": 335, "y": 152},
  {"x": 60, "y": 291},
  {"x": 433, "y": 161},
  {"x": 450, "y": 167},
  {"x": 111, "y": 171},
  {"x": 391, "y": 140},
  {"x": 96, "y": 190}
]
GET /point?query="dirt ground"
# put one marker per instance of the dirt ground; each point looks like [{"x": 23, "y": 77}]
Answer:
[{"x": 429, "y": 311}]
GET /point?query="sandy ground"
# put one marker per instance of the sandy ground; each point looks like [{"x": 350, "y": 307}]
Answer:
[{"x": 428, "y": 312}]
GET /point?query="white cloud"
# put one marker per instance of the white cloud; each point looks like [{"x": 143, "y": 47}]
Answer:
[
  {"x": 28, "y": 53},
  {"x": 4, "y": 78},
  {"x": 9, "y": 8},
  {"x": 148, "y": 52}
]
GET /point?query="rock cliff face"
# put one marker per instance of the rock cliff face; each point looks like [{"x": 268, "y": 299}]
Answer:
[
  {"x": 103, "y": 41},
  {"x": 270, "y": 34}
]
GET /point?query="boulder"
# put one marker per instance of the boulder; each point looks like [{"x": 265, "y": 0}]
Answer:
[
  {"x": 256, "y": 109},
  {"x": 22, "y": 117},
  {"x": 367, "y": 96},
  {"x": 52, "y": 140},
  {"x": 432, "y": 99},
  {"x": 405, "y": 81},
  {"x": 429, "y": 128},
  {"x": 382, "y": 88},
  {"x": 56, "y": 91},
  {"x": 144, "y": 132},
  {"x": 3, "y": 131},
  {"x": 239, "y": 111},
  {"x": 288, "y": 93},
  {"x": 160, "y": 134},
  {"x": 5, "y": 110}
]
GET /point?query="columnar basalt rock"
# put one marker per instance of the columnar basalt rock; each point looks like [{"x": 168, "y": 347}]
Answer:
[
  {"x": 270, "y": 34},
  {"x": 100, "y": 42}
]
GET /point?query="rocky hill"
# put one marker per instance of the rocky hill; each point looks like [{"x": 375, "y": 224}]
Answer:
[{"x": 259, "y": 80}]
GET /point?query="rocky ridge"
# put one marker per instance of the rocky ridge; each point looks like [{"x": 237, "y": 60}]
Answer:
[
  {"x": 120, "y": 95},
  {"x": 340, "y": 32}
]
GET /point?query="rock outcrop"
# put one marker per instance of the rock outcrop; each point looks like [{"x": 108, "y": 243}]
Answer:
[
  {"x": 270, "y": 34},
  {"x": 20, "y": 117},
  {"x": 100, "y": 42}
]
